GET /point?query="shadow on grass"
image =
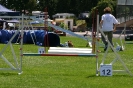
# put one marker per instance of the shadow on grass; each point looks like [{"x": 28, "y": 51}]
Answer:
[
  {"x": 110, "y": 76},
  {"x": 8, "y": 73},
  {"x": 91, "y": 76}
]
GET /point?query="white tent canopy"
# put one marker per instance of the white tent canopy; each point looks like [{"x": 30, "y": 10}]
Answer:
[
  {"x": 4, "y": 9},
  {"x": 7, "y": 12},
  {"x": 13, "y": 21}
]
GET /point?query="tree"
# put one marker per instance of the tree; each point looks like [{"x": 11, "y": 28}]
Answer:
[
  {"x": 63, "y": 6},
  {"x": 32, "y": 4},
  {"x": 100, "y": 7},
  {"x": 104, "y": 3},
  {"x": 3, "y": 2},
  {"x": 50, "y": 4}
]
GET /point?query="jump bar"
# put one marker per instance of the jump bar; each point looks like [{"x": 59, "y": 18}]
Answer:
[{"x": 36, "y": 54}]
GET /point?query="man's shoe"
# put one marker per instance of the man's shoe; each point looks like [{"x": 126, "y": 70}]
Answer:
[{"x": 105, "y": 48}]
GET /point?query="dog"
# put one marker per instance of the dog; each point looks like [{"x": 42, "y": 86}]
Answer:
[{"x": 70, "y": 44}]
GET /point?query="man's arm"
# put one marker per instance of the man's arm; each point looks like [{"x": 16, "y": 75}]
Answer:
[
  {"x": 101, "y": 23},
  {"x": 114, "y": 29}
]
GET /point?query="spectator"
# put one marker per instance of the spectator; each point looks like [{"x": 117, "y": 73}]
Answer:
[{"x": 108, "y": 24}]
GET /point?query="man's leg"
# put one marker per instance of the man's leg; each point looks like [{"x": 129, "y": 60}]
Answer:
[
  {"x": 104, "y": 40},
  {"x": 110, "y": 37}
]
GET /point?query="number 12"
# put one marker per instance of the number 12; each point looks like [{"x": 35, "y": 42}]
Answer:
[{"x": 106, "y": 72}]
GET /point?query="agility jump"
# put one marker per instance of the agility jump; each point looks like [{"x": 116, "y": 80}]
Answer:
[{"x": 59, "y": 51}]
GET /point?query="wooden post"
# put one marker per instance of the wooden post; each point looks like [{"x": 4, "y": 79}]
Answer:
[
  {"x": 94, "y": 27},
  {"x": 46, "y": 42}
]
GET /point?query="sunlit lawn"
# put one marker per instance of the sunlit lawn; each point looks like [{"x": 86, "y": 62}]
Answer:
[{"x": 65, "y": 72}]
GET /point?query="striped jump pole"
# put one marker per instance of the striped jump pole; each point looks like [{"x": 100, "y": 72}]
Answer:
[{"x": 81, "y": 55}]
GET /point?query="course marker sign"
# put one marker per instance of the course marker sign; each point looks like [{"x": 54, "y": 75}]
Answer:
[{"x": 105, "y": 70}]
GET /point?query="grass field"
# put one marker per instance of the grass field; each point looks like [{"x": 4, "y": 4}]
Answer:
[{"x": 65, "y": 72}]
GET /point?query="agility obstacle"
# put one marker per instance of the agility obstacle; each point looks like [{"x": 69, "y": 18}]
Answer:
[
  {"x": 18, "y": 61},
  {"x": 65, "y": 51},
  {"x": 117, "y": 56},
  {"x": 80, "y": 55},
  {"x": 69, "y": 50},
  {"x": 17, "y": 66}
]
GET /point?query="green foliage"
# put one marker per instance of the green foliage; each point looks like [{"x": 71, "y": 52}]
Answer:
[
  {"x": 62, "y": 25},
  {"x": 80, "y": 22},
  {"x": 101, "y": 6}
]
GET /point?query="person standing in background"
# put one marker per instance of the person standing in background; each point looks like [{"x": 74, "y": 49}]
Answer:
[{"x": 108, "y": 25}]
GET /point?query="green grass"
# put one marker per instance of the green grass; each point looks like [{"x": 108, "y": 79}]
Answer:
[{"x": 64, "y": 72}]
